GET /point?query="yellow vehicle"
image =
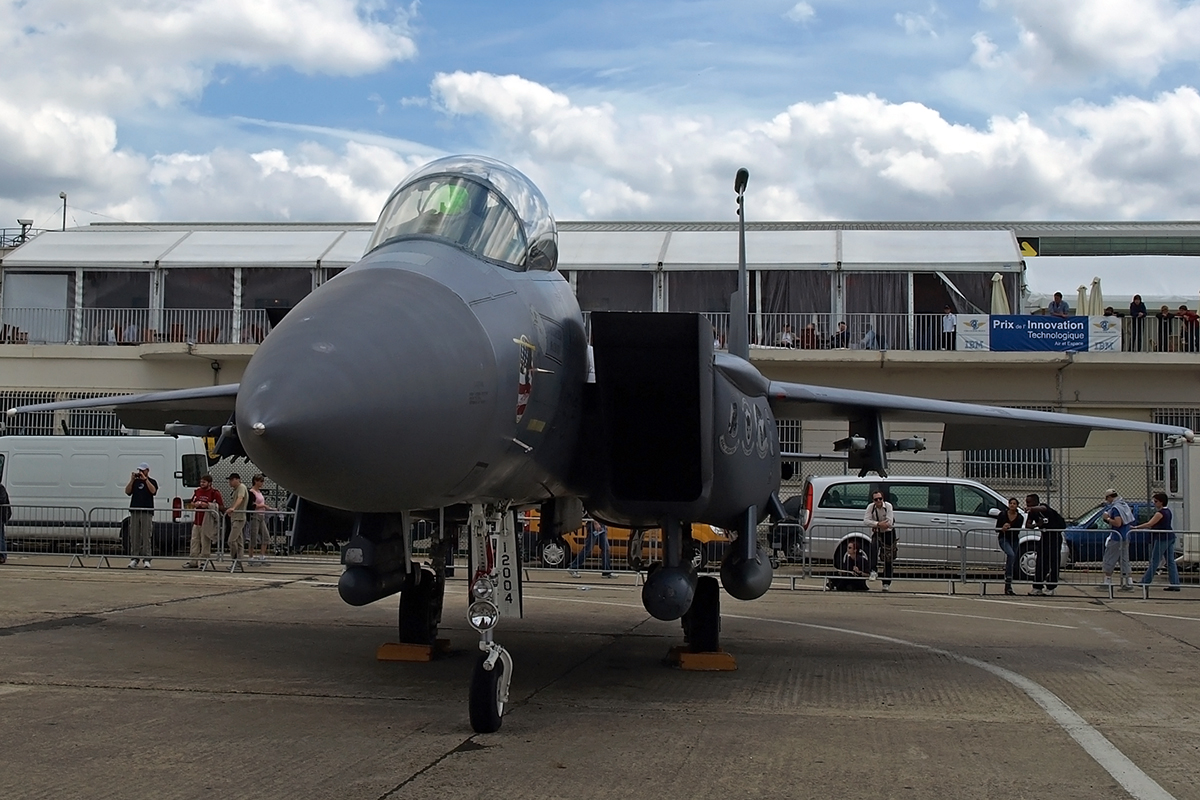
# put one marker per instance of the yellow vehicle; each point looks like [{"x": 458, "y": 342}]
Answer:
[{"x": 625, "y": 549}]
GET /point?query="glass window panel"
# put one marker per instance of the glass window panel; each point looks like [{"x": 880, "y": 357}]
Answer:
[
  {"x": 116, "y": 289},
  {"x": 198, "y": 288},
  {"x": 615, "y": 290},
  {"x": 796, "y": 292},
  {"x": 699, "y": 291},
  {"x": 274, "y": 288},
  {"x": 849, "y": 495}
]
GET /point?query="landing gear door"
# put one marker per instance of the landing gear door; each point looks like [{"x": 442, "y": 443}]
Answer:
[{"x": 495, "y": 553}]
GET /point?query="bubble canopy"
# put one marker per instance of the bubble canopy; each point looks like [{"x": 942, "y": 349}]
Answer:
[{"x": 477, "y": 203}]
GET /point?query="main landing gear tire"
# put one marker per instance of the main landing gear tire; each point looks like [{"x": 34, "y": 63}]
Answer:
[
  {"x": 421, "y": 609},
  {"x": 554, "y": 553},
  {"x": 702, "y": 622},
  {"x": 486, "y": 709}
]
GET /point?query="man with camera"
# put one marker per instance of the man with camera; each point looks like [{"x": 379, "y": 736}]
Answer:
[{"x": 141, "y": 490}]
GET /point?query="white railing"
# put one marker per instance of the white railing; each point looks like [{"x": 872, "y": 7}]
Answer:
[{"x": 130, "y": 326}]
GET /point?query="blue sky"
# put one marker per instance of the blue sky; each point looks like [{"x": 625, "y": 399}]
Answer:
[{"x": 863, "y": 109}]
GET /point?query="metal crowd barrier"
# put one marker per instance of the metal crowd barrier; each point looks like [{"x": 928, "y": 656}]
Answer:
[{"x": 45, "y": 530}]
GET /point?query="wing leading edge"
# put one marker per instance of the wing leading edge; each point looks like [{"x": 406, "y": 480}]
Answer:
[
  {"x": 968, "y": 426},
  {"x": 208, "y": 405}
]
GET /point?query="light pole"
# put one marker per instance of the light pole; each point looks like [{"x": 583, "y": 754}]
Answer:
[
  {"x": 738, "y": 342},
  {"x": 63, "y": 195}
]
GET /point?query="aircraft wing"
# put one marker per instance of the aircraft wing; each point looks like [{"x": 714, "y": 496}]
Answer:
[
  {"x": 207, "y": 405},
  {"x": 968, "y": 426}
]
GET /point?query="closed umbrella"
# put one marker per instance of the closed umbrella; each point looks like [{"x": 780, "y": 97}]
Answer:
[
  {"x": 999, "y": 296},
  {"x": 1081, "y": 302},
  {"x": 1095, "y": 300}
]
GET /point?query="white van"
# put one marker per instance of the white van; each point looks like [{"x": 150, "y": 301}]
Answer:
[
  {"x": 58, "y": 483},
  {"x": 940, "y": 522}
]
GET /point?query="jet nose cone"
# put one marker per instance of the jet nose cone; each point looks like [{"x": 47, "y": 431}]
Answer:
[{"x": 373, "y": 394}]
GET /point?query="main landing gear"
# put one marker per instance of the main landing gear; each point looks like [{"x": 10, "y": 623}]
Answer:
[{"x": 673, "y": 590}]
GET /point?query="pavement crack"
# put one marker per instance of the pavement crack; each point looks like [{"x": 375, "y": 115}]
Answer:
[{"x": 466, "y": 746}]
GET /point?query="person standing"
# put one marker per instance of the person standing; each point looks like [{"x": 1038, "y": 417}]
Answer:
[
  {"x": 5, "y": 516},
  {"x": 882, "y": 520},
  {"x": 1008, "y": 527},
  {"x": 207, "y": 502},
  {"x": 1119, "y": 516},
  {"x": 949, "y": 328},
  {"x": 596, "y": 533},
  {"x": 260, "y": 534},
  {"x": 141, "y": 490},
  {"x": 239, "y": 498},
  {"x": 1137, "y": 324},
  {"x": 1164, "y": 318},
  {"x": 1058, "y": 308},
  {"x": 1162, "y": 542},
  {"x": 1049, "y": 554}
]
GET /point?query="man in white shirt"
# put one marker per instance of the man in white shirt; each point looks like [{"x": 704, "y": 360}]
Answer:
[
  {"x": 882, "y": 521},
  {"x": 949, "y": 329}
]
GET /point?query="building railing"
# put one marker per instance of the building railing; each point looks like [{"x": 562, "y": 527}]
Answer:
[
  {"x": 808, "y": 331},
  {"x": 15, "y": 237},
  {"x": 130, "y": 326}
]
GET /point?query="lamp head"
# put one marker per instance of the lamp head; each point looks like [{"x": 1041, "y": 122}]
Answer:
[{"x": 740, "y": 180}]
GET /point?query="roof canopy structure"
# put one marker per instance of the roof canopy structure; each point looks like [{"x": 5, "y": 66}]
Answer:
[{"x": 672, "y": 247}]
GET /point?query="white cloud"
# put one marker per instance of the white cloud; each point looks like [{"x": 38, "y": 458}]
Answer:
[
  {"x": 986, "y": 53},
  {"x": 1131, "y": 39},
  {"x": 72, "y": 69},
  {"x": 801, "y": 12},
  {"x": 915, "y": 24},
  {"x": 852, "y": 157}
]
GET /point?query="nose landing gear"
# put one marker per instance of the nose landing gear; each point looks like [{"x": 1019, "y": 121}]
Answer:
[{"x": 495, "y": 592}]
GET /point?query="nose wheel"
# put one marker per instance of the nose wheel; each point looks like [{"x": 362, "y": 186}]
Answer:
[{"x": 489, "y": 688}]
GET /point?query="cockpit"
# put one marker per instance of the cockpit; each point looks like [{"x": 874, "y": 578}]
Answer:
[{"x": 479, "y": 204}]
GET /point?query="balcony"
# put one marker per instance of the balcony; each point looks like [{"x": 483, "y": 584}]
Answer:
[{"x": 132, "y": 326}]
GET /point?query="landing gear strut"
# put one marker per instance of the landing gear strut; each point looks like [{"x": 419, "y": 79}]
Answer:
[{"x": 495, "y": 591}]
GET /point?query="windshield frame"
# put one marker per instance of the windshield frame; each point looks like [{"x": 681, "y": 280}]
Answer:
[{"x": 510, "y": 186}]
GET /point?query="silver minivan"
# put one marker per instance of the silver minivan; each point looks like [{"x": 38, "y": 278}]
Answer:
[{"x": 940, "y": 522}]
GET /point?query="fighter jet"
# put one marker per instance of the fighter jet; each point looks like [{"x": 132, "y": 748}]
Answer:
[{"x": 446, "y": 376}]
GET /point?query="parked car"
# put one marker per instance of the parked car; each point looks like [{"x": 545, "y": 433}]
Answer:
[
  {"x": 1085, "y": 536},
  {"x": 709, "y": 546},
  {"x": 936, "y": 518}
]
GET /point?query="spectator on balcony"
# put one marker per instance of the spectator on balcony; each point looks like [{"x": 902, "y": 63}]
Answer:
[
  {"x": 841, "y": 338},
  {"x": 1137, "y": 324},
  {"x": 132, "y": 334},
  {"x": 872, "y": 340},
  {"x": 1109, "y": 312},
  {"x": 1189, "y": 330},
  {"x": 1058, "y": 308},
  {"x": 949, "y": 328},
  {"x": 1164, "y": 329},
  {"x": 786, "y": 337},
  {"x": 808, "y": 337}
]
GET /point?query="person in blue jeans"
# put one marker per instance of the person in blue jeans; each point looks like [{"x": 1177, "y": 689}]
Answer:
[
  {"x": 1008, "y": 531},
  {"x": 1162, "y": 542},
  {"x": 596, "y": 534}
]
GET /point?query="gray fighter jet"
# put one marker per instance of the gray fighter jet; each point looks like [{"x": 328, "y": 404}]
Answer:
[{"x": 445, "y": 376}]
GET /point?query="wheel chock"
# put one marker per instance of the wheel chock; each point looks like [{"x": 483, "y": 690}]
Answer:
[
  {"x": 412, "y": 653},
  {"x": 719, "y": 661}
]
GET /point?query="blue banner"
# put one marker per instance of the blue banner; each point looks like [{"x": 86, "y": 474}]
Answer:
[{"x": 1012, "y": 333}]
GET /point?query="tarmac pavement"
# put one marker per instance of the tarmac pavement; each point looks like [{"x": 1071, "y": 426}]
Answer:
[{"x": 166, "y": 683}]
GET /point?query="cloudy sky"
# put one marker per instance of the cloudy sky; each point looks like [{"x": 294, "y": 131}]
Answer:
[{"x": 847, "y": 109}]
